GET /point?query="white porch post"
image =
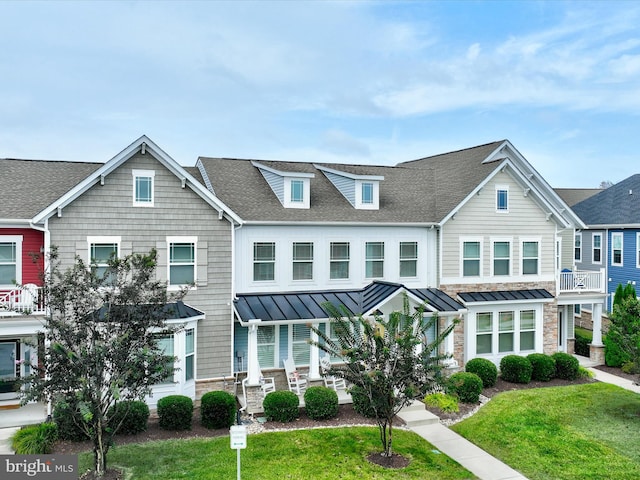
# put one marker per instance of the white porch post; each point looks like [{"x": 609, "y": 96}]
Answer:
[
  {"x": 449, "y": 345},
  {"x": 314, "y": 360},
  {"x": 597, "y": 324},
  {"x": 253, "y": 366}
]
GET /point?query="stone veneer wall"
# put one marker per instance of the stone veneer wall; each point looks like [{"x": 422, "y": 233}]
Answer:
[{"x": 550, "y": 312}]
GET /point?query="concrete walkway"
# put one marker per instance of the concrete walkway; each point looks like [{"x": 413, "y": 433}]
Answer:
[{"x": 5, "y": 440}]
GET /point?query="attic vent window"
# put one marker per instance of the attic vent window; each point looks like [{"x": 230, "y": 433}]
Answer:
[{"x": 143, "y": 183}]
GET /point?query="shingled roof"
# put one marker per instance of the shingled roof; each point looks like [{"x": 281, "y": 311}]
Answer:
[
  {"x": 616, "y": 205},
  {"x": 29, "y": 186},
  {"x": 572, "y": 196}
]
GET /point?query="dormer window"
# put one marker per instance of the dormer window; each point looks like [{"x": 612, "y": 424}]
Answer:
[
  {"x": 367, "y": 195},
  {"x": 292, "y": 188},
  {"x": 297, "y": 193},
  {"x": 361, "y": 191},
  {"x": 143, "y": 188}
]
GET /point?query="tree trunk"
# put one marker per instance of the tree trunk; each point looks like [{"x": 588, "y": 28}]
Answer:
[{"x": 99, "y": 452}]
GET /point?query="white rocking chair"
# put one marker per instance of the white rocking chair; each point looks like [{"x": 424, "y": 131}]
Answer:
[
  {"x": 331, "y": 381},
  {"x": 297, "y": 382}
]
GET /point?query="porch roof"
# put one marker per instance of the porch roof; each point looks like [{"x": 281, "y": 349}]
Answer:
[
  {"x": 506, "y": 295},
  {"x": 308, "y": 305}
]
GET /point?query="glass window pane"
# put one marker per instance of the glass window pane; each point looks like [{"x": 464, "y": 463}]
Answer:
[
  {"x": 300, "y": 348},
  {"x": 339, "y": 270},
  {"x": 263, "y": 271},
  {"x": 339, "y": 251},
  {"x": 527, "y": 320},
  {"x": 181, "y": 274},
  {"x": 375, "y": 250},
  {"x": 7, "y": 252},
  {"x": 374, "y": 269},
  {"x": 182, "y": 253},
  {"x": 501, "y": 250},
  {"x": 266, "y": 355},
  {"x": 617, "y": 241},
  {"x": 7, "y": 274},
  {"x": 505, "y": 321},
  {"x": 530, "y": 266},
  {"x": 502, "y": 198},
  {"x": 484, "y": 322},
  {"x": 303, "y": 251},
  {"x": 143, "y": 189},
  {"x": 471, "y": 268},
  {"x": 530, "y": 249},
  {"x": 189, "y": 341},
  {"x": 483, "y": 343},
  {"x": 188, "y": 367},
  {"x": 264, "y": 251},
  {"x": 367, "y": 193},
  {"x": 527, "y": 341},
  {"x": 408, "y": 250},
  {"x": 297, "y": 190},
  {"x": 101, "y": 252},
  {"x": 408, "y": 268},
  {"x": 471, "y": 250},
  {"x": 505, "y": 342}
]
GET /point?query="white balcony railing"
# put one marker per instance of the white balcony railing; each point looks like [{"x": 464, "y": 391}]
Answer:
[
  {"x": 577, "y": 281},
  {"x": 26, "y": 300}
]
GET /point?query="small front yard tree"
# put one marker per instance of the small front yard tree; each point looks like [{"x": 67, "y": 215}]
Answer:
[
  {"x": 102, "y": 336},
  {"x": 388, "y": 359},
  {"x": 624, "y": 332}
]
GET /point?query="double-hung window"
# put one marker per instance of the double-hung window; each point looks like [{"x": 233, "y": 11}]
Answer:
[
  {"x": 484, "y": 332},
  {"x": 506, "y": 329},
  {"x": 339, "y": 260},
  {"x": 303, "y": 261},
  {"x": 577, "y": 249},
  {"x": 597, "y": 248},
  {"x": 530, "y": 258},
  {"x": 143, "y": 188},
  {"x": 374, "y": 259},
  {"x": 408, "y": 259},
  {"x": 100, "y": 255},
  {"x": 300, "y": 348},
  {"x": 10, "y": 260},
  {"x": 182, "y": 261},
  {"x": 267, "y": 346},
  {"x": 616, "y": 248},
  {"x": 502, "y": 258},
  {"x": 527, "y": 330},
  {"x": 264, "y": 261},
  {"x": 471, "y": 259}
]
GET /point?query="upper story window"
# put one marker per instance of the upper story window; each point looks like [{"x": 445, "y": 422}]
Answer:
[
  {"x": 577, "y": 249},
  {"x": 408, "y": 259},
  {"x": 303, "y": 261},
  {"x": 264, "y": 261},
  {"x": 502, "y": 258},
  {"x": 143, "y": 188},
  {"x": 502, "y": 199},
  {"x": 597, "y": 248},
  {"x": 530, "y": 257},
  {"x": 10, "y": 260},
  {"x": 471, "y": 258},
  {"x": 101, "y": 250},
  {"x": 182, "y": 261},
  {"x": 297, "y": 191},
  {"x": 374, "y": 259},
  {"x": 616, "y": 248},
  {"x": 339, "y": 260},
  {"x": 367, "y": 195}
]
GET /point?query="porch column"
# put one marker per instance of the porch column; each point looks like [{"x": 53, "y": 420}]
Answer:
[
  {"x": 449, "y": 345},
  {"x": 253, "y": 366},
  {"x": 314, "y": 359},
  {"x": 597, "y": 325}
]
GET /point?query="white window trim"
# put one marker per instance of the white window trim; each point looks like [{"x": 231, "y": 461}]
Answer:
[
  {"x": 493, "y": 242},
  {"x": 464, "y": 240},
  {"x": 522, "y": 242},
  {"x": 17, "y": 239},
  {"x": 621, "y": 235},
  {"x": 503, "y": 188},
  {"x": 578, "y": 235},
  {"x": 144, "y": 173},
  {"x": 593, "y": 243},
  {"x": 93, "y": 240},
  {"x": 306, "y": 185},
  {"x": 413, "y": 259},
  {"x": 375, "y": 205},
  {"x": 188, "y": 239}
]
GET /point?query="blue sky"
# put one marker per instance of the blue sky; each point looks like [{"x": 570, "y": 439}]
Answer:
[{"x": 355, "y": 82}]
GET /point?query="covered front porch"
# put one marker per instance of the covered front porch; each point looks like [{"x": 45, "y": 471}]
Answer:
[{"x": 271, "y": 328}]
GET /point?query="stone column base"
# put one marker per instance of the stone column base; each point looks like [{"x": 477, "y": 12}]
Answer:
[
  {"x": 596, "y": 354},
  {"x": 571, "y": 346}
]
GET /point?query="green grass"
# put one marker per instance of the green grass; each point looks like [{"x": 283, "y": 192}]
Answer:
[
  {"x": 579, "y": 432},
  {"x": 584, "y": 332},
  {"x": 329, "y": 454}
]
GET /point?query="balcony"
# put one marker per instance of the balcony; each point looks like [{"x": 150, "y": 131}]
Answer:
[
  {"x": 577, "y": 281},
  {"x": 25, "y": 300}
]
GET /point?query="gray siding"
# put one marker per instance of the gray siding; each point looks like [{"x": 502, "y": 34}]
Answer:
[
  {"x": 346, "y": 186},
  {"x": 108, "y": 211},
  {"x": 276, "y": 182}
]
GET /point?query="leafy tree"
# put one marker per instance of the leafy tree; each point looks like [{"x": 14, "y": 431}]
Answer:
[
  {"x": 382, "y": 358},
  {"x": 624, "y": 330},
  {"x": 102, "y": 349}
]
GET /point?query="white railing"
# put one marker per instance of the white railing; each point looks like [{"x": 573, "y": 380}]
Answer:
[
  {"x": 27, "y": 300},
  {"x": 582, "y": 281}
]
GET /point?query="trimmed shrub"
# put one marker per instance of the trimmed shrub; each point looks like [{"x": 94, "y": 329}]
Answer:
[
  {"x": 321, "y": 403},
  {"x": 515, "y": 369},
  {"x": 281, "y": 406},
  {"x": 67, "y": 417},
  {"x": 582, "y": 344},
  {"x": 543, "y": 367},
  {"x": 133, "y": 414},
  {"x": 35, "y": 439},
  {"x": 485, "y": 369},
  {"x": 218, "y": 409},
  {"x": 614, "y": 355},
  {"x": 175, "y": 412},
  {"x": 584, "y": 373},
  {"x": 445, "y": 402},
  {"x": 630, "y": 368},
  {"x": 567, "y": 366},
  {"x": 466, "y": 386},
  {"x": 361, "y": 402}
]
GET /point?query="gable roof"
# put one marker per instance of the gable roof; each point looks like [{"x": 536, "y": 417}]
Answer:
[
  {"x": 29, "y": 186},
  {"x": 572, "y": 196},
  {"x": 144, "y": 145},
  {"x": 616, "y": 206}
]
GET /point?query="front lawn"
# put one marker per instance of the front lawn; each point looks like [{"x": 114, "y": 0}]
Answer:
[
  {"x": 588, "y": 431},
  {"x": 331, "y": 453}
]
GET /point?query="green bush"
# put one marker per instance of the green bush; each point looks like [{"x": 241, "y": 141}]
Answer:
[
  {"x": 361, "y": 402},
  {"x": 543, "y": 367},
  {"x": 485, "y": 369},
  {"x": 515, "y": 369},
  {"x": 582, "y": 344},
  {"x": 281, "y": 406},
  {"x": 466, "y": 386},
  {"x": 35, "y": 439},
  {"x": 218, "y": 409},
  {"x": 567, "y": 366},
  {"x": 445, "y": 402},
  {"x": 630, "y": 368},
  {"x": 68, "y": 419},
  {"x": 321, "y": 403},
  {"x": 614, "y": 355},
  {"x": 175, "y": 412},
  {"x": 133, "y": 414},
  {"x": 584, "y": 373}
]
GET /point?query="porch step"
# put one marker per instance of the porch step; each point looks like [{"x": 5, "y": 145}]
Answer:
[{"x": 416, "y": 415}]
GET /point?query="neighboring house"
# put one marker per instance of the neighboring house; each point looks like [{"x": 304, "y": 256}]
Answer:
[{"x": 612, "y": 237}]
